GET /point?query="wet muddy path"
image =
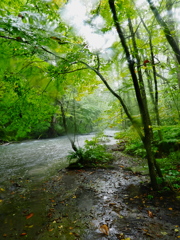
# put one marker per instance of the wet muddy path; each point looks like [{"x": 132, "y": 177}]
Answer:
[
  {"x": 110, "y": 204},
  {"x": 88, "y": 205}
]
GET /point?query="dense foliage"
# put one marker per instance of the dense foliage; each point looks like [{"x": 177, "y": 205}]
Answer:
[
  {"x": 93, "y": 154},
  {"x": 167, "y": 152}
]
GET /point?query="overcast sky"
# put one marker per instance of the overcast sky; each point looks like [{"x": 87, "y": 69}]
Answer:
[{"x": 76, "y": 14}]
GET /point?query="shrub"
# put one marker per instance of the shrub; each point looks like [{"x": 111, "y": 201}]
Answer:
[
  {"x": 92, "y": 155},
  {"x": 169, "y": 144},
  {"x": 171, "y": 136}
]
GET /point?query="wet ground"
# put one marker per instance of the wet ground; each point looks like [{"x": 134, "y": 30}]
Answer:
[{"x": 88, "y": 205}]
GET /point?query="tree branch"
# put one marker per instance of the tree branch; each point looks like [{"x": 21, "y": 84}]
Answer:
[
  {"x": 118, "y": 97},
  {"x": 20, "y": 40},
  {"x": 98, "y": 62},
  {"x": 166, "y": 30}
]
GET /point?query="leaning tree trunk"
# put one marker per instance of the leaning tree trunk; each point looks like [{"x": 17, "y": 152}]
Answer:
[
  {"x": 171, "y": 23},
  {"x": 167, "y": 32}
]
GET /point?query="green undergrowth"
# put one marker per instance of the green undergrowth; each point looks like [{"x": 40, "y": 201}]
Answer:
[
  {"x": 170, "y": 141},
  {"x": 93, "y": 154},
  {"x": 166, "y": 151},
  {"x": 170, "y": 167}
]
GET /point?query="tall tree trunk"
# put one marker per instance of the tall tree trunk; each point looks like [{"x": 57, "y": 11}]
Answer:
[
  {"x": 147, "y": 122},
  {"x": 168, "y": 34},
  {"x": 171, "y": 23},
  {"x": 155, "y": 99},
  {"x": 140, "y": 95},
  {"x": 153, "y": 92}
]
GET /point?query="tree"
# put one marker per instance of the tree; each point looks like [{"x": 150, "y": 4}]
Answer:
[{"x": 167, "y": 32}]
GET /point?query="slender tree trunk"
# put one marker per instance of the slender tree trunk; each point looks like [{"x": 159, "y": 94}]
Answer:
[
  {"x": 156, "y": 85},
  {"x": 147, "y": 123},
  {"x": 155, "y": 96},
  {"x": 171, "y": 23},
  {"x": 51, "y": 131},
  {"x": 156, "y": 99},
  {"x": 66, "y": 128},
  {"x": 149, "y": 81},
  {"x": 168, "y": 34},
  {"x": 141, "y": 98},
  {"x": 151, "y": 163}
]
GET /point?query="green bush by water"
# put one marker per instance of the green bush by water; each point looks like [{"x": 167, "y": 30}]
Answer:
[{"x": 92, "y": 155}]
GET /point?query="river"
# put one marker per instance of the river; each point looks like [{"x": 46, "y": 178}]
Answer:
[{"x": 38, "y": 158}]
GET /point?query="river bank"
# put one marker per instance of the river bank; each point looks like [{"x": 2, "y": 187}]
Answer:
[{"x": 90, "y": 204}]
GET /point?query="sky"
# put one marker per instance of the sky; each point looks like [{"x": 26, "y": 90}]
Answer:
[{"x": 77, "y": 14}]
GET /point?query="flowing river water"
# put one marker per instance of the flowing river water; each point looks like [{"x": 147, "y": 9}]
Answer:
[{"x": 38, "y": 158}]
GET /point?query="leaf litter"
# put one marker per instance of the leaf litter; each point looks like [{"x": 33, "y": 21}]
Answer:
[{"x": 94, "y": 204}]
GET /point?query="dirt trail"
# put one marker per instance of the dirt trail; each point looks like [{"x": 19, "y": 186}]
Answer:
[
  {"x": 98, "y": 204},
  {"x": 90, "y": 202}
]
